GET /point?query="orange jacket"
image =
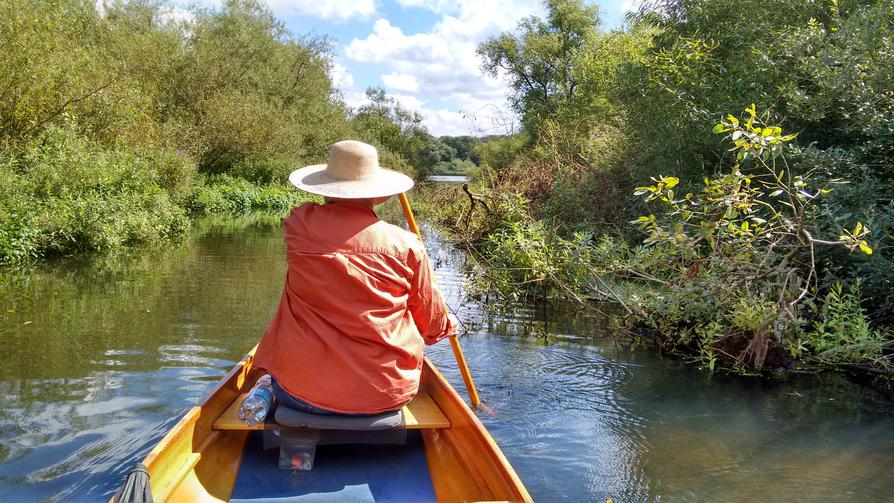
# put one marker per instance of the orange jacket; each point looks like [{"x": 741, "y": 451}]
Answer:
[{"x": 357, "y": 308}]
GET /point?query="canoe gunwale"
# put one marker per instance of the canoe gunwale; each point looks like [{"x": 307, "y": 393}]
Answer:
[{"x": 194, "y": 462}]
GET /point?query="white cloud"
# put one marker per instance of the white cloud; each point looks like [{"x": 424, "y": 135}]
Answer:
[
  {"x": 409, "y": 101},
  {"x": 478, "y": 122},
  {"x": 341, "y": 77},
  {"x": 337, "y": 10},
  {"x": 354, "y": 98},
  {"x": 442, "y": 63},
  {"x": 401, "y": 82}
]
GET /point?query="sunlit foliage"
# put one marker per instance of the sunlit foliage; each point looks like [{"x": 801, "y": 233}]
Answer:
[{"x": 743, "y": 245}]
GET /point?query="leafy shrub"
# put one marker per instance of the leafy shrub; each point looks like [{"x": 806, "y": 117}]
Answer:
[
  {"x": 70, "y": 194},
  {"x": 226, "y": 194},
  {"x": 748, "y": 232},
  {"x": 454, "y": 166},
  {"x": 263, "y": 170},
  {"x": 843, "y": 333}
]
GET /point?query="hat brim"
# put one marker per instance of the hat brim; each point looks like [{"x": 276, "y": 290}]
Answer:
[{"x": 385, "y": 182}]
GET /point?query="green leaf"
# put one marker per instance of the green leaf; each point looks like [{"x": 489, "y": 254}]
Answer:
[{"x": 732, "y": 118}]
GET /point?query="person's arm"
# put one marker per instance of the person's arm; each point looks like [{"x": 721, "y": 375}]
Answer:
[{"x": 426, "y": 303}]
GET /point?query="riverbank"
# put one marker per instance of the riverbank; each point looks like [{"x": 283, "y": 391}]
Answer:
[
  {"x": 731, "y": 203},
  {"x": 521, "y": 259},
  {"x": 73, "y": 196}
]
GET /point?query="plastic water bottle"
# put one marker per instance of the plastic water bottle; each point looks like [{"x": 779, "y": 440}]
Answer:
[{"x": 257, "y": 404}]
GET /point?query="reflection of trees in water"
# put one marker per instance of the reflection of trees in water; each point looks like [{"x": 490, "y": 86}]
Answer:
[
  {"x": 549, "y": 378},
  {"x": 117, "y": 346},
  {"x": 209, "y": 297},
  {"x": 725, "y": 438}
]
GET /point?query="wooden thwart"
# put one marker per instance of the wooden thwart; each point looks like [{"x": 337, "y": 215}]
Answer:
[{"x": 421, "y": 413}]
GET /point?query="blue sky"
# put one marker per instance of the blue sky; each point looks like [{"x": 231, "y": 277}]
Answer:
[{"x": 422, "y": 52}]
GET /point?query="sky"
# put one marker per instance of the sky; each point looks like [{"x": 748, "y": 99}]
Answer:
[{"x": 422, "y": 52}]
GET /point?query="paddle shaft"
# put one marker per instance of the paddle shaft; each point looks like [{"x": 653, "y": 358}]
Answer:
[{"x": 454, "y": 341}]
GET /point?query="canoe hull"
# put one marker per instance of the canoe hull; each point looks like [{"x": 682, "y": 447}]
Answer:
[{"x": 195, "y": 462}]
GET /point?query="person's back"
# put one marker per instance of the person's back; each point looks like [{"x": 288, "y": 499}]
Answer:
[{"x": 357, "y": 309}]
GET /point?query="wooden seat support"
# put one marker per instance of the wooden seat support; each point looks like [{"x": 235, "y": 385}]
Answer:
[{"x": 422, "y": 413}]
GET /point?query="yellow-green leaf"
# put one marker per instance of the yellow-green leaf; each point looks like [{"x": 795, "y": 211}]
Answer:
[{"x": 865, "y": 248}]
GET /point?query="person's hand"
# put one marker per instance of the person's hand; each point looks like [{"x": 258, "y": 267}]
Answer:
[{"x": 457, "y": 326}]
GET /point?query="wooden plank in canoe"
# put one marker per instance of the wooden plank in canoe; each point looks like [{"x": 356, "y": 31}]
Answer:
[{"x": 421, "y": 413}]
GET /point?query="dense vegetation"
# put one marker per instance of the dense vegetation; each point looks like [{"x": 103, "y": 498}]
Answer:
[
  {"x": 119, "y": 120},
  {"x": 721, "y": 174}
]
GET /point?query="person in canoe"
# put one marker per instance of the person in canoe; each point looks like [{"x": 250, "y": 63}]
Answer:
[{"x": 359, "y": 303}]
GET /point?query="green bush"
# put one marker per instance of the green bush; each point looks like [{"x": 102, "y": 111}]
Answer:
[
  {"x": 226, "y": 194},
  {"x": 843, "y": 333},
  {"x": 265, "y": 170},
  {"x": 454, "y": 166},
  {"x": 67, "y": 194}
]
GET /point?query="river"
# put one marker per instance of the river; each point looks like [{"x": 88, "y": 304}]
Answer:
[{"x": 102, "y": 355}]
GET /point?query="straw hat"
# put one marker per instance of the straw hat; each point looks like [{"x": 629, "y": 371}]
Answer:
[{"x": 353, "y": 172}]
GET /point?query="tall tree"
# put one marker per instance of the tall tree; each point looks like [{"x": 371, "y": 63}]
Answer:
[
  {"x": 540, "y": 59},
  {"x": 397, "y": 131}
]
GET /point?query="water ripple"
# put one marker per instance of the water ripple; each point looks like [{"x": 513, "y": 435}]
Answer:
[{"x": 95, "y": 382}]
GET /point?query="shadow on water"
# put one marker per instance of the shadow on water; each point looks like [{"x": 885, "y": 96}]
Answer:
[{"x": 103, "y": 355}]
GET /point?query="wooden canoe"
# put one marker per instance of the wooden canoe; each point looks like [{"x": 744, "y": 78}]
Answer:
[{"x": 205, "y": 457}]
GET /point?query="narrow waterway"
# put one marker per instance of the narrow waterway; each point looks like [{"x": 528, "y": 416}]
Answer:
[{"x": 101, "y": 356}]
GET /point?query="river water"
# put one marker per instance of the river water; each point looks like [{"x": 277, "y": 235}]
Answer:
[{"x": 101, "y": 356}]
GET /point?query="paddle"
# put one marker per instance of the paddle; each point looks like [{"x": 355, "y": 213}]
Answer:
[{"x": 454, "y": 342}]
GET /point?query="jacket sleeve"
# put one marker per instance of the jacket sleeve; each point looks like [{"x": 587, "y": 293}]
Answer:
[{"x": 426, "y": 303}]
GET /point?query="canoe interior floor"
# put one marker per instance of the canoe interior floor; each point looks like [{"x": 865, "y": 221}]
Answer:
[{"x": 341, "y": 473}]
